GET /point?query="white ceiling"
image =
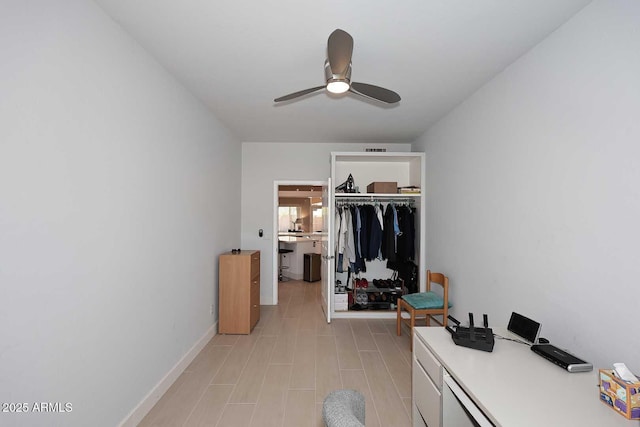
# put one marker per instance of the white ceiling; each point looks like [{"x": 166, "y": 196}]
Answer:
[{"x": 238, "y": 55}]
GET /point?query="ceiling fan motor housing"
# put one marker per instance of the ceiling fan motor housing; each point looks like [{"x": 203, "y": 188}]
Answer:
[{"x": 330, "y": 77}]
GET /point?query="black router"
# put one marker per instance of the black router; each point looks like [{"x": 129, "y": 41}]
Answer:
[{"x": 472, "y": 337}]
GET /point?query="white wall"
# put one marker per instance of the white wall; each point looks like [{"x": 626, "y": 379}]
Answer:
[
  {"x": 534, "y": 189},
  {"x": 264, "y": 163},
  {"x": 115, "y": 200}
]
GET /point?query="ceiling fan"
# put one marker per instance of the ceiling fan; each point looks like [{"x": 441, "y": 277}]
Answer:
[{"x": 337, "y": 71}]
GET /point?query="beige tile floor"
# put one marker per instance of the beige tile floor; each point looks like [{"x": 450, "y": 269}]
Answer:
[{"x": 280, "y": 374}]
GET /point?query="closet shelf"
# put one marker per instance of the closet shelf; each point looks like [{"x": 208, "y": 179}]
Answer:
[
  {"x": 342, "y": 198},
  {"x": 376, "y": 195},
  {"x": 371, "y": 289}
]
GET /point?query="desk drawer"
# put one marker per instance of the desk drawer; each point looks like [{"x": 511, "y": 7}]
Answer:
[
  {"x": 427, "y": 361},
  {"x": 255, "y": 264},
  {"x": 426, "y": 398}
]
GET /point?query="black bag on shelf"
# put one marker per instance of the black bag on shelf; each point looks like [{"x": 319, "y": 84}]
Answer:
[{"x": 408, "y": 272}]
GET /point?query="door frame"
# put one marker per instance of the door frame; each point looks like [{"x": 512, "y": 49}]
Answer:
[{"x": 276, "y": 256}]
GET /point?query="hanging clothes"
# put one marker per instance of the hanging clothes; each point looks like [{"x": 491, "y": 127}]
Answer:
[
  {"x": 388, "y": 236},
  {"x": 349, "y": 247},
  {"x": 345, "y": 243},
  {"x": 378, "y": 230},
  {"x": 358, "y": 264},
  {"x": 374, "y": 234},
  {"x": 369, "y": 231},
  {"x": 406, "y": 239},
  {"x": 339, "y": 246},
  {"x": 366, "y": 213},
  {"x": 399, "y": 235}
]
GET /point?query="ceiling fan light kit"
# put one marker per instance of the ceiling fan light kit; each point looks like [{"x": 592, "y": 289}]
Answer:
[
  {"x": 338, "y": 86},
  {"x": 337, "y": 72},
  {"x": 335, "y": 82}
]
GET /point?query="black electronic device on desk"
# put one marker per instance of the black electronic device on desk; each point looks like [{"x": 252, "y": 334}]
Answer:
[
  {"x": 561, "y": 358},
  {"x": 525, "y": 328},
  {"x": 472, "y": 337}
]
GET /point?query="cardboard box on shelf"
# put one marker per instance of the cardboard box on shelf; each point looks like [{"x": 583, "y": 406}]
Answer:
[{"x": 383, "y": 187}]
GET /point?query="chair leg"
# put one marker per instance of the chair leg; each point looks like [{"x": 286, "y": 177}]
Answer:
[{"x": 427, "y": 320}]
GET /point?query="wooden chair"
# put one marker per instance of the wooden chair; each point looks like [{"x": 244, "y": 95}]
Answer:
[{"x": 427, "y": 304}]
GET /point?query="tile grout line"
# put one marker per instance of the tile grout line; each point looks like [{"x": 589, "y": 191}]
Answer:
[
  {"x": 366, "y": 378},
  {"x": 264, "y": 379},
  {"x": 286, "y": 397},
  {"x": 226, "y": 406},
  {"x": 286, "y": 394},
  {"x": 393, "y": 380},
  {"x": 253, "y": 349},
  {"x": 204, "y": 391},
  {"x": 295, "y": 345}
]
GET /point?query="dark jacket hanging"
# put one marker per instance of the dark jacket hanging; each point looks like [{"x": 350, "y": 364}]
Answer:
[
  {"x": 359, "y": 265},
  {"x": 389, "y": 238},
  {"x": 375, "y": 235},
  {"x": 406, "y": 239}
]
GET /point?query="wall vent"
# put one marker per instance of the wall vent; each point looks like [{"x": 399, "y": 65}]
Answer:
[{"x": 375, "y": 150}]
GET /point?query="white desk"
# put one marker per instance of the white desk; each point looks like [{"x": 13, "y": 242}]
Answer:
[{"x": 515, "y": 387}]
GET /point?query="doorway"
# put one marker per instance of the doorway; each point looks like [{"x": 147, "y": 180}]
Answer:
[{"x": 297, "y": 225}]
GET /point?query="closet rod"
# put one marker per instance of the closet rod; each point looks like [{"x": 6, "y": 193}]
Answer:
[{"x": 374, "y": 199}]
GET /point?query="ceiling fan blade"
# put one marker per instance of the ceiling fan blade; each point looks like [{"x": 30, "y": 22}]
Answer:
[
  {"x": 339, "y": 50},
  {"x": 375, "y": 92},
  {"x": 298, "y": 94}
]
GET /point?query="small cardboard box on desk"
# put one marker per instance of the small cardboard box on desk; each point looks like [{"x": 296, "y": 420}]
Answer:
[{"x": 621, "y": 396}]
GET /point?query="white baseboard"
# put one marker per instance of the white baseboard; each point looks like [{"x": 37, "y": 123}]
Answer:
[{"x": 143, "y": 408}]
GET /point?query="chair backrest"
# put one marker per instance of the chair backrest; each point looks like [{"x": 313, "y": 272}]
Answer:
[
  {"x": 438, "y": 278},
  {"x": 443, "y": 281}
]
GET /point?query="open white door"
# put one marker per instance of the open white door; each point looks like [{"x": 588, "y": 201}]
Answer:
[{"x": 327, "y": 252}]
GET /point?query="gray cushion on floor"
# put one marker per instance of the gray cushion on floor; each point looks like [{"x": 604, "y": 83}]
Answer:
[{"x": 343, "y": 408}]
